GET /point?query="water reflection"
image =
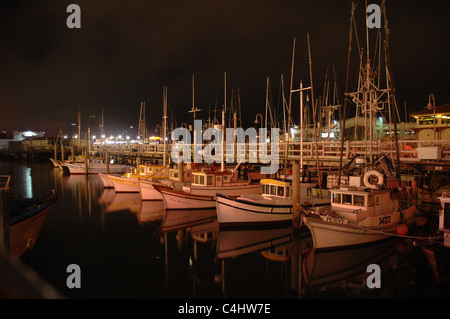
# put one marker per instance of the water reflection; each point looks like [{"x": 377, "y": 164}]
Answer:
[
  {"x": 153, "y": 253},
  {"x": 21, "y": 182}
]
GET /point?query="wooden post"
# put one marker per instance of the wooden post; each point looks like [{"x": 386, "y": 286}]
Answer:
[
  {"x": 62, "y": 151},
  {"x": 4, "y": 221},
  {"x": 72, "y": 154},
  {"x": 86, "y": 163},
  {"x": 107, "y": 160},
  {"x": 138, "y": 161},
  {"x": 180, "y": 172},
  {"x": 55, "y": 148},
  {"x": 296, "y": 194}
]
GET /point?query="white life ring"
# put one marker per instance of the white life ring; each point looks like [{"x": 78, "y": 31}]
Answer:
[{"x": 376, "y": 174}]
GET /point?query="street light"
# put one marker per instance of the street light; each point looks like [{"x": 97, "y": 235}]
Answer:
[
  {"x": 432, "y": 106},
  {"x": 256, "y": 119}
]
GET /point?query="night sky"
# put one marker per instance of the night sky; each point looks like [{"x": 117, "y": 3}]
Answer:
[{"x": 126, "y": 51}]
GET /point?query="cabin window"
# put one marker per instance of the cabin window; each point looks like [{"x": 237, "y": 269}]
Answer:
[
  {"x": 273, "y": 189},
  {"x": 209, "y": 180},
  {"x": 358, "y": 200},
  {"x": 336, "y": 198},
  {"x": 175, "y": 175},
  {"x": 202, "y": 179},
  {"x": 308, "y": 191},
  {"x": 347, "y": 199},
  {"x": 280, "y": 191},
  {"x": 225, "y": 178}
]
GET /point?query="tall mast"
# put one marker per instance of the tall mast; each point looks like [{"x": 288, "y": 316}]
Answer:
[{"x": 164, "y": 122}]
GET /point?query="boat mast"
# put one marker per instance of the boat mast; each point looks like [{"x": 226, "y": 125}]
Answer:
[
  {"x": 164, "y": 123},
  {"x": 392, "y": 88},
  {"x": 223, "y": 119}
]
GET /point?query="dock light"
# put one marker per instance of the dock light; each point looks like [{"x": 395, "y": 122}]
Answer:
[
  {"x": 103, "y": 136},
  {"x": 93, "y": 137},
  {"x": 120, "y": 136},
  {"x": 128, "y": 137}
]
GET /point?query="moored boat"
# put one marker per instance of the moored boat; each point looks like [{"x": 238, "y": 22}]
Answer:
[
  {"x": 174, "y": 199},
  {"x": 356, "y": 216},
  {"x": 273, "y": 205},
  {"x": 201, "y": 193},
  {"x": 129, "y": 182},
  {"x": 95, "y": 166},
  {"x": 26, "y": 219}
]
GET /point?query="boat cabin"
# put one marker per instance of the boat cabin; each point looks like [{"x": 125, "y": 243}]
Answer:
[
  {"x": 147, "y": 171},
  {"x": 212, "y": 179},
  {"x": 283, "y": 189},
  {"x": 276, "y": 188},
  {"x": 356, "y": 203}
]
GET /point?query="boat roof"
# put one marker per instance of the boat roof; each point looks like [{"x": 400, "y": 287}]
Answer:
[
  {"x": 276, "y": 182},
  {"x": 358, "y": 190},
  {"x": 211, "y": 172}
]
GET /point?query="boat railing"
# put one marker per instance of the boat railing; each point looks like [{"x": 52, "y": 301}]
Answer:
[{"x": 4, "y": 182}]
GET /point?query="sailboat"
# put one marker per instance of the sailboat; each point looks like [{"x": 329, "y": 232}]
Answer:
[{"x": 365, "y": 211}]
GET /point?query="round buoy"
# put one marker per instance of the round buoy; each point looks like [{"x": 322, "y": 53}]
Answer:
[
  {"x": 401, "y": 229},
  {"x": 421, "y": 221}
]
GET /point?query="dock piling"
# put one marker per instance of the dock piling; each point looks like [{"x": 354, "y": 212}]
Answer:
[{"x": 4, "y": 221}]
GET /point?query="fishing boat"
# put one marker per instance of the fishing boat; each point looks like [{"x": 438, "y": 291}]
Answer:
[
  {"x": 129, "y": 182},
  {"x": 356, "y": 216},
  {"x": 106, "y": 182},
  {"x": 95, "y": 166},
  {"x": 55, "y": 162},
  {"x": 273, "y": 205},
  {"x": 177, "y": 179},
  {"x": 27, "y": 215},
  {"x": 201, "y": 193},
  {"x": 444, "y": 218}
]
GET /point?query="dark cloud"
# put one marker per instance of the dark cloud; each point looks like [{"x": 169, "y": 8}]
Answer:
[{"x": 127, "y": 50}]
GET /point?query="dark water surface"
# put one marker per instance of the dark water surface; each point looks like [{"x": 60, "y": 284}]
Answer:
[{"x": 127, "y": 248}]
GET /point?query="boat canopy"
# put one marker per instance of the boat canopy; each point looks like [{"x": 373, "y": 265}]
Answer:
[
  {"x": 277, "y": 188},
  {"x": 362, "y": 199},
  {"x": 212, "y": 178}
]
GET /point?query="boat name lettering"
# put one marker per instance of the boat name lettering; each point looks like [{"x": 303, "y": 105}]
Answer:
[
  {"x": 335, "y": 220},
  {"x": 341, "y": 221}
]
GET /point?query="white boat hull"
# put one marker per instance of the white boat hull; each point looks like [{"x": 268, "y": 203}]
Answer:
[
  {"x": 148, "y": 192},
  {"x": 231, "y": 211},
  {"x": 233, "y": 191},
  {"x": 125, "y": 184},
  {"x": 105, "y": 181},
  {"x": 330, "y": 232},
  {"x": 182, "y": 200},
  {"x": 77, "y": 169}
]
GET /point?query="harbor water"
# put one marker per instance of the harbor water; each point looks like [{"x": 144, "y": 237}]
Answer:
[{"x": 128, "y": 248}]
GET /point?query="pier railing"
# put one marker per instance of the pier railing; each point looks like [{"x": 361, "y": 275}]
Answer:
[{"x": 328, "y": 151}]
